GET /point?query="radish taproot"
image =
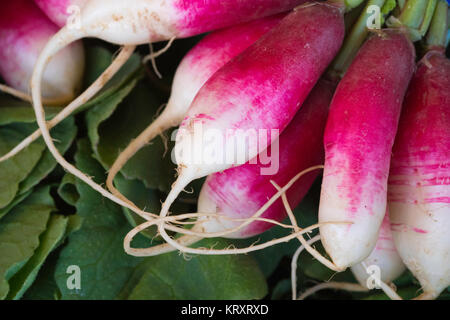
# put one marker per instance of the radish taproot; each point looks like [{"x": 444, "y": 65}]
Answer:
[
  {"x": 419, "y": 181},
  {"x": 201, "y": 62},
  {"x": 24, "y": 32},
  {"x": 136, "y": 22},
  {"x": 59, "y": 11},
  {"x": 261, "y": 89},
  {"x": 358, "y": 141}
]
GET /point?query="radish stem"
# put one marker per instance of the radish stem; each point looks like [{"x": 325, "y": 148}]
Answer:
[{"x": 439, "y": 24}]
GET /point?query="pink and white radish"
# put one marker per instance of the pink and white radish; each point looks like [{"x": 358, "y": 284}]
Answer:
[
  {"x": 384, "y": 263},
  {"x": 24, "y": 32},
  {"x": 201, "y": 62},
  {"x": 59, "y": 11},
  {"x": 419, "y": 182},
  {"x": 379, "y": 269},
  {"x": 358, "y": 141},
  {"x": 138, "y": 22},
  {"x": 261, "y": 89},
  {"x": 239, "y": 192}
]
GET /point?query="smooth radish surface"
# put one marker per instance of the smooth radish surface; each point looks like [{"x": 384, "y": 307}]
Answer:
[
  {"x": 240, "y": 191},
  {"x": 24, "y": 32},
  {"x": 208, "y": 56},
  {"x": 261, "y": 89},
  {"x": 384, "y": 258},
  {"x": 419, "y": 182},
  {"x": 60, "y": 10},
  {"x": 201, "y": 62},
  {"x": 358, "y": 141}
]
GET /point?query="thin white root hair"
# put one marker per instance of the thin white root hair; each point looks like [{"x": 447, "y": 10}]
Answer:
[
  {"x": 144, "y": 252},
  {"x": 26, "y": 97},
  {"x": 93, "y": 89},
  {"x": 294, "y": 263},
  {"x": 333, "y": 285},
  {"x": 302, "y": 240},
  {"x": 153, "y": 55}
]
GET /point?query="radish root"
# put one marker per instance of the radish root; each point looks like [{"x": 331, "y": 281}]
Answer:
[{"x": 26, "y": 97}]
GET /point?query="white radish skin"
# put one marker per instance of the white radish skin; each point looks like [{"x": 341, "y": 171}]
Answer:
[
  {"x": 384, "y": 256},
  {"x": 419, "y": 183}
]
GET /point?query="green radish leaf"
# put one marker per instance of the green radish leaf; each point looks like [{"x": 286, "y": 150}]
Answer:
[
  {"x": 49, "y": 240},
  {"x": 97, "y": 247},
  {"x": 22, "y": 113},
  {"x": 224, "y": 277},
  {"x": 103, "y": 110},
  {"x": 15, "y": 170},
  {"x": 282, "y": 290},
  {"x": 18, "y": 199},
  {"x": 19, "y": 234},
  {"x": 97, "y": 60},
  {"x": 45, "y": 288},
  {"x": 67, "y": 190},
  {"x": 63, "y": 135},
  {"x": 112, "y": 127},
  {"x": 143, "y": 197}
]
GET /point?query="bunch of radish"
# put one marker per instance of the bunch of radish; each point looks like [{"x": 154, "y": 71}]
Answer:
[{"x": 377, "y": 123}]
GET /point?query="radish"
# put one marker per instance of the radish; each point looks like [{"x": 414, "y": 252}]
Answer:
[
  {"x": 381, "y": 267},
  {"x": 383, "y": 259},
  {"x": 202, "y": 61},
  {"x": 24, "y": 31},
  {"x": 260, "y": 89},
  {"x": 358, "y": 141},
  {"x": 240, "y": 191},
  {"x": 419, "y": 182},
  {"x": 59, "y": 11},
  {"x": 137, "y": 22}
]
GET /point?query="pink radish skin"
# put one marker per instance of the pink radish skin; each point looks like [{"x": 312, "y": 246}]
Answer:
[
  {"x": 24, "y": 31},
  {"x": 59, "y": 10},
  {"x": 384, "y": 256},
  {"x": 240, "y": 191},
  {"x": 419, "y": 182},
  {"x": 358, "y": 142},
  {"x": 208, "y": 56}
]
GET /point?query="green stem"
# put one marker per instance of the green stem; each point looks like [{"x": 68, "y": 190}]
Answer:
[
  {"x": 353, "y": 41},
  {"x": 438, "y": 30},
  {"x": 428, "y": 16},
  {"x": 351, "y": 4},
  {"x": 413, "y": 14}
]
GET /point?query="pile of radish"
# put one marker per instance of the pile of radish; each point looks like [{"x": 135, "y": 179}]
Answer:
[{"x": 369, "y": 107}]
